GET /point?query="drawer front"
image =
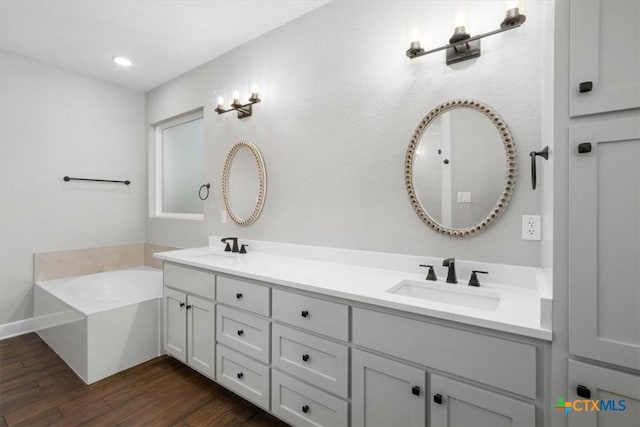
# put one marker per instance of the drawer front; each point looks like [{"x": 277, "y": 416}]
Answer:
[
  {"x": 243, "y": 332},
  {"x": 315, "y": 360},
  {"x": 323, "y": 317},
  {"x": 190, "y": 280},
  {"x": 245, "y": 376},
  {"x": 244, "y": 295},
  {"x": 501, "y": 363},
  {"x": 301, "y": 404}
]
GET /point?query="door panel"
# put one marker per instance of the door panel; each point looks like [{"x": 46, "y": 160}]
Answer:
[{"x": 175, "y": 324}]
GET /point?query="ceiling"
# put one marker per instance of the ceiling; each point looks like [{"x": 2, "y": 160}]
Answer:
[{"x": 164, "y": 39}]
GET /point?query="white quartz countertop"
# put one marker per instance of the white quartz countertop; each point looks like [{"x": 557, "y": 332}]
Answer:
[{"x": 518, "y": 311}]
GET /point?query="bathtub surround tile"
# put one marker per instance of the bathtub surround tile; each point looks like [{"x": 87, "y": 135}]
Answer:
[
  {"x": 149, "y": 250},
  {"x": 77, "y": 262}
]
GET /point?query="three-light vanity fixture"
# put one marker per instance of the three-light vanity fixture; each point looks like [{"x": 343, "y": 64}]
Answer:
[
  {"x": 462, "y": 46},
  {"x": 244, "y": 110}
]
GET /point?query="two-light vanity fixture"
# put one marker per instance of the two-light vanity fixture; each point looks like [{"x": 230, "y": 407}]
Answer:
[
  {"x": 462, "y": 46},
  {"x": 244, "y": 110}
]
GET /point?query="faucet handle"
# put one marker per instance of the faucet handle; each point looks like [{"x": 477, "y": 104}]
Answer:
[
  {"x": 227, "y": 248},
  {"x": 242, "y": 248},
  {"x": 473, "y": 281},
  {"x": 432, "y": 274}
]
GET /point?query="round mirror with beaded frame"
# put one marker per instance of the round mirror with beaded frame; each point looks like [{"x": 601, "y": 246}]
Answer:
[{"x": 510, "y": 171}]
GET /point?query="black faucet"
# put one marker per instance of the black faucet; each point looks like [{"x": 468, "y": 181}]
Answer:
[
  {"x": 235, "y": 244},
  {"x": 451, "y": 274}
]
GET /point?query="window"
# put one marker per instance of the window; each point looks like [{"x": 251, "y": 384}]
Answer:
[{"x": 176, "y": 168}]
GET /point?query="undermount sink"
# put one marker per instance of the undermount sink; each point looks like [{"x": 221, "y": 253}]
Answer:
[
  {"x": 448, "y": 293},
  {"x": 215, "y": 255}
]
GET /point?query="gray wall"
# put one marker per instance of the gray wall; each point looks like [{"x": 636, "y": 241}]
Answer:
[
  {"x": 57, "y": 123},
  {"x": 340, "y": 102}
]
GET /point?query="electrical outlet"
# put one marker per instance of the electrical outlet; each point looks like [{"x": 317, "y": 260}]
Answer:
[
  {"x": 531, "y": 228},
  {"x": 223, "y": 216},
  {"x": 464, "y": 197}
]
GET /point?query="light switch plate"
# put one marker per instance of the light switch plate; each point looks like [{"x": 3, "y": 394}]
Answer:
[
  {"x": 464, "y": 197},
  {"x": 531, "y": 227}
]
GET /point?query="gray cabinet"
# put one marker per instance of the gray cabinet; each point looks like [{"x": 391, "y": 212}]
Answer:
[
  {"x": 605, "y": 51},
  {"x": 175, "y": 323},
  {"x": 618, "y": 394},
  {"x": 604, "y": 233},
  {"x": 457, "y": 404},
  {"x": 386, "y": 393},
  {"x": 188, "y": 323}
]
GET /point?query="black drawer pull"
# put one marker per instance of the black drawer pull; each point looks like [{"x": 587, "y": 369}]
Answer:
[
  {"x": 240, "y": 332},
  {"x": 437, "y": 398},
  {"x": 189, "y": 306},
  {"x": 305, "y": 357},
  {"x": 239, "y": 295},
  {"x": 305, "y": 409},
  {"x": 304, "y": 313},
  {"x": 181, "y": 304},
  {"x": 583, "y": 391},
  {"x": 585, "y": 87},
  {"x": 415, "y": 390},
  {"x": 240, "y": 375},
  {"x": 584, "y": 147}
]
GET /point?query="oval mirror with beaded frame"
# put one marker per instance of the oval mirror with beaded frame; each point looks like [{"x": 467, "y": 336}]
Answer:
[
  {"x": 510, "y": 176},
  {"x": 262, "y": 183}
]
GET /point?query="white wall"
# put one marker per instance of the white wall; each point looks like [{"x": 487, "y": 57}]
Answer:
[
  {"x": 340, "y": 103},
  {"x": 56, "y": 123}
]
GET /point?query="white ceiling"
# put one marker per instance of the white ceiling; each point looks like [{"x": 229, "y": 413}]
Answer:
[{"x": 163, "y": 38}]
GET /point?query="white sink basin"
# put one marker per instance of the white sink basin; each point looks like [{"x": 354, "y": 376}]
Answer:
[
  {"x": 216, "y": 255},
  {"x": 448, "y": 294}
]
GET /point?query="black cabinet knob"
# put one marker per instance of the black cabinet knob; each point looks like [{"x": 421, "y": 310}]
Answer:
[
  {"x": 585, "y": 87},
  {"x": 415, "y": 390},
  {"x": 584, "y": 147},
  {"x": 305, "y": 357},
  {"x": 189, "y": 306},
  {"x": 304, "y": 313},
  {"x": 240, "y": 375},
  {"x": 181, "y": 304},
  {"x": 437, "y": 398},
  {"x": 583, "y": 391},
  {"x": 239, "y": 295},
  {"x": 305, "y": 409},
  {"x": 240, "y": 332}
]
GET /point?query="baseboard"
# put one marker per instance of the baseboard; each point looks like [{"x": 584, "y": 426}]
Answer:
[{"x": 13, "y": 329}]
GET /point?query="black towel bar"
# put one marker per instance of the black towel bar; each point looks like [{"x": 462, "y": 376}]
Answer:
[{"x": 68, "y": 178}]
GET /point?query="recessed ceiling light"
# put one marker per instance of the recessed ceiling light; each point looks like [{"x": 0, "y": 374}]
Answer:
[{"x": 122, "y": 61}]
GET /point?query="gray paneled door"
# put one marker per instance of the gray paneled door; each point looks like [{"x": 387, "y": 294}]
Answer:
[
  {"x": 604, "y": 51},
  {"x": 604, "y": 234}
]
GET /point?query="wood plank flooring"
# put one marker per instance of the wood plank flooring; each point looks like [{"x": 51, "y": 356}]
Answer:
[{"x": 37, "y": 388}]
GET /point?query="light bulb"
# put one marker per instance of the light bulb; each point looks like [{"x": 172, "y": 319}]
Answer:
[
  {"x": 510, "y": 4},
  {"x": 221, "y": 102},
  {"x": 236, "y": 96},
  {"x": 122, "y": 61},
  {"x": 413, "y": 34}
]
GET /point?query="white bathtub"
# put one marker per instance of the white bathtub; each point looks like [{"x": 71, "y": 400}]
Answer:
[{"x": 103, "y": 323}]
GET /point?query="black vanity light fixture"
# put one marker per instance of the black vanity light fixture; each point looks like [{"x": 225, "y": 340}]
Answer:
[
  {"x": 462, "y": 46},
  {"x": 244, "y": 110}
]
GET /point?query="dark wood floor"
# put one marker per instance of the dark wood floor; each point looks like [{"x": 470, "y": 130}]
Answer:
[{"x": 37, "y": 388}]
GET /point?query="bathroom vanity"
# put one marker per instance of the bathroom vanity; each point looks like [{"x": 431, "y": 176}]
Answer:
[{"x": 326, "y": 337}]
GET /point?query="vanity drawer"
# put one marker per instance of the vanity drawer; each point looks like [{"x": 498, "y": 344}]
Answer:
[
  {"x": 316, "y": 360},
  {"x": 243, "y": 332},
  {"x": 244, "y": 295},
  {"x": 323, "y": 317},
  {"x": 190, "y": 280},
  {"x": 498, "y": 362},
  {"x": 301, "y": 404},
  {"x": 246, "y": 377}
]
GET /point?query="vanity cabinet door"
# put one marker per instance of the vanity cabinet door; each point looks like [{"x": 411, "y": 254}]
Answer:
[
  {"x": 604, "y": 240},
  {"x": 386, "y": 393},
  {"x": 605, "y": 54},
  {"x": 175, "y": 323},
  {"x": 618, "y": 393},
  {"x": 457, "y": 404},
  {"x": 201, "y": 330}
]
